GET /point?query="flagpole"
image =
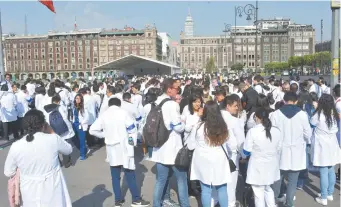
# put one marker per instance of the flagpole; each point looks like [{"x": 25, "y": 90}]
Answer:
[{"x": 2, "y": 67}]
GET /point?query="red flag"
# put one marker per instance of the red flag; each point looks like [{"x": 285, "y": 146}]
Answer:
[{"x": 48, "y": 4}]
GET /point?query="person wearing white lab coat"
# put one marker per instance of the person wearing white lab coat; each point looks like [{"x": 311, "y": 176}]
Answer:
[
  {"x": 295, "y": 135},
  {"x": 235, "y": 142},
  {"x": 165, "y": 155},
  {"x": 31, "y": 87},
  {"x": 263, "y": 142},
  {"x": 40, "y": 99},
  {"x": 192, "y": 117},
  {"x": 55, "y": 103},
  {"x": 80, "y": 124},
  {"x": 131, "y": 108},
  {"x": 263, "y": 101},
  {"x": 325, "y": 150},
  {"x": 324, "y": 88},
  {"x": 110, "y": 94},
  {"x": 62, "y": 92},
  {"x": 209, "y": 164},
  {"x": 9, "y": 113},
  {"x": 22, "y": 105},
  {"x": 118, "y": 129},
  {"x": 36, "y": 157}
]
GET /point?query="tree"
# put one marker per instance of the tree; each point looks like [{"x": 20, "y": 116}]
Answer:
[
  {"x": 308, "y": 59},
  {"x": 237, "y": 67},
  {"x": 210, "y": 66}
]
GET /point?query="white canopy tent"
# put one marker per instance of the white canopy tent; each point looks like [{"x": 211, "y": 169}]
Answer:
[{"x": 138, "y": 65}]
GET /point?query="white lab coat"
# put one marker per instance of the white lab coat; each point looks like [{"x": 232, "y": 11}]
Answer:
[
  {"x": 40, "y": 101},
  {"x": 30, "y": 88},
  {"x": 325, "y": 89},
  {"x": 90, "y": 105},
  {"x": 105, "y": 103},
  {"x": 63, "y": 111},
  {"x": 209, "y": 164},
  {"x": 295, "y": 135},
  {"x": 22, "y": 104},
  {"x": 83, "y": 119},
  {"x": 64, "y": 96},
  {"x": 8, "y": 103},
  {"x": 234, "y": 147},
  {"x": 132, "y": 110},
  {"x": 115, "y": 126},
  {"x": 263, "y": 166},
  {"x": 166, "y": 154},
  {"x": 42, "y": 182},
  {"x": 325, "y": 147},
  {"x": 190, "y": 121}
]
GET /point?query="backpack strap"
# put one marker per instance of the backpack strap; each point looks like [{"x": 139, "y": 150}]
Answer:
[{"x": 163, "y": 101}]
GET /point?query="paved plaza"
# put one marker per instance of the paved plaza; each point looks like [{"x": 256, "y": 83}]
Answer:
[{"x": 89, "y": 183}]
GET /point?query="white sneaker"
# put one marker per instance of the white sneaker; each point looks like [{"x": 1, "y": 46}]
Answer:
[
  {"x": 321, "y": 201},
  {"x": 329, "y": 198}
]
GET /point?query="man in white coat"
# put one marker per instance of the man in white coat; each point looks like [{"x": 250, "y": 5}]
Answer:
[
  {"x": 110, "y": 94},
  {"x": 165, "y": 155},
  {"x": 117, "y": 128},
  {"x": 235, "y": 142},
  {"x": 69, "y": 134},
  {"x": 22, "y": 106},
  {"x": 296, "y": 133}
]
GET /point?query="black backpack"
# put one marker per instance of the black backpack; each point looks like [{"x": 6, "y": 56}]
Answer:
[
  {"x": 155, "y": 132},
  {"x": 57, "y": 122}
]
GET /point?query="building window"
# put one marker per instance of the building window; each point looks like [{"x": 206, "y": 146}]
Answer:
[
  {"x": 73, "y": 67},
  {"x": 65, "y": 60},
  {"x": 80, "y": 60},
  {"x": 64, "y": 43},
  {"x": 51, "y": 67},
  {"x": 80, "y": 66},
  {"x": 65, "y": 67},
  {"x": 72, "y": 43},
  {"x": 51, "y": 62},
  {"x": 88, "y": 60},
  {"x": 65, "y": 54},
  {"x": 50, "y": 55},
  {"x": 87, "y": 66},
  {"x": 95, "y": 60},
  {"x": 87, "y": 42},
  {"x": 94, "y": 42},
  {"x": 58, "y": 61}
]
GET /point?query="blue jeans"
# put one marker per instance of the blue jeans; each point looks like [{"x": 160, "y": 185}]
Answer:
[
  {"x": 327, "y": 181},
  {"x": 116, "y": 183},
  {"x": 304, "y": 173},
  {"x": 162, "y": 176},
  {"x": 290, "y": 188},
  {"x": 206, "y": 194},
  {"x": 81, "y": 136}
]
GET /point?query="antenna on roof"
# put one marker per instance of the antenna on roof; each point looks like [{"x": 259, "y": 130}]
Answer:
[
  {"x": 26, "y": 32},
  {"x": 75, "y": 26}
]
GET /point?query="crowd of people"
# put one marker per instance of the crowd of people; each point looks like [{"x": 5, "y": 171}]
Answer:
[{"x": 205, "y": 130}]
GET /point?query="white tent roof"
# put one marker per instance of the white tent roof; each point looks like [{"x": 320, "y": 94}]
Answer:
[{"x": 133, "y": 64}]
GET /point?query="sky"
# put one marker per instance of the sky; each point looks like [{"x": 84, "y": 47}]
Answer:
[{"x": 168, "y": 16}]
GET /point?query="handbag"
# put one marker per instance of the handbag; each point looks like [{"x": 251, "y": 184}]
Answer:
[
  {"x": 233, "y": 167},
  {"x": 184, "y": 157}
]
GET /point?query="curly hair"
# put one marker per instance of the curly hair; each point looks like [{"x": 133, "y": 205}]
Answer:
[
  {"x": 215, "y": 128},
  {"x": 33, "y": 122},
  {"x": 327, "y": 106}
]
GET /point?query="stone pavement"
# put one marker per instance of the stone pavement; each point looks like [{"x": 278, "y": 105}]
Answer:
[{"x": 89, "y": 183}]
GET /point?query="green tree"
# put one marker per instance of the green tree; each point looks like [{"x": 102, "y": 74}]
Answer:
[
  {"x": 308, "y": 59},
  {"x": 237, "y": 67},
  {"x": 210, "y": 65}
]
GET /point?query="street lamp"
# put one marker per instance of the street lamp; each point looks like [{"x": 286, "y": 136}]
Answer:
[
  {"x": 251, "y": 12},
  {"x": 226, "y": 30}
]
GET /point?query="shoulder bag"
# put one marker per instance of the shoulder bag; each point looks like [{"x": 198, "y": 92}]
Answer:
[{"x": 233, "y": 167}]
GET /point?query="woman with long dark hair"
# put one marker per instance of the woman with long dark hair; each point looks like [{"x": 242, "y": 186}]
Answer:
[
  {"x": 263, "y": 101},
  {"x": 263, "y": 144},
  {"x": 325, "y": 150},
  {"x": 195, "y": 112},
  {"x": 209, "y": 163},
  {"x": 80, "y": 124},
  {"x": 35, "y": 156}
]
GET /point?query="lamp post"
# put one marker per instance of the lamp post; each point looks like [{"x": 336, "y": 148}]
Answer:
[
  {"x": 251, "y": 12},
  {"x": 226, "y": 30}
]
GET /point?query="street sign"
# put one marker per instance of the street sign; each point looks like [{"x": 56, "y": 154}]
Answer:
[
  {"x": 335, "y": 4},
  {"x": 335, "y": 72}
]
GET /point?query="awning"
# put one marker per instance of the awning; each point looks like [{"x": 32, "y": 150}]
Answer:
[{"x": 138, "y": 65}]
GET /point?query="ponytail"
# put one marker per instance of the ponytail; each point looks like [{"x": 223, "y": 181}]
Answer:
[
  {"x": 263, "y": 115},
  {"x": 30, "y": 134},
  {"x": 267, "y": 125},
  {"x": 33, "y": 122}
]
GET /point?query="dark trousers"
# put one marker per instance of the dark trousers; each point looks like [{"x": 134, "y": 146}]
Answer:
[
  {"x": 67, "y": 158},
  {"x": 116, "y": 182},
  {"x": 10, "y": 127},
  {"x": 20, "y": 125}
]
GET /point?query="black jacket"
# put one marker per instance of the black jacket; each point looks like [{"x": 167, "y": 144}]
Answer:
[{"x": 249, "y": 100}]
